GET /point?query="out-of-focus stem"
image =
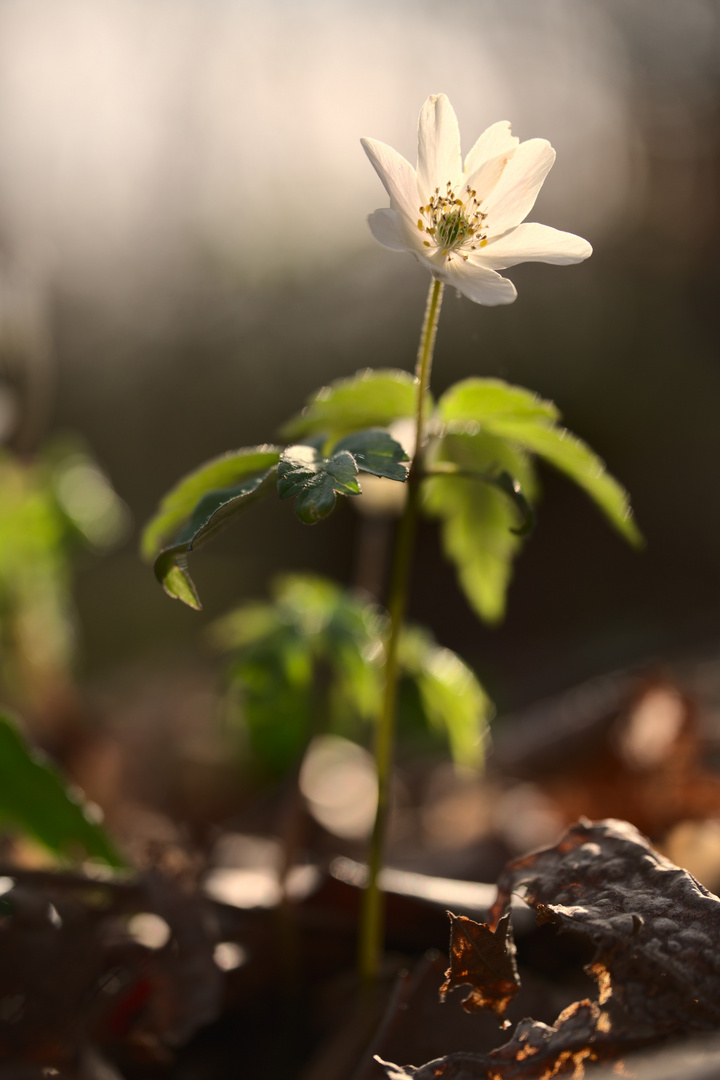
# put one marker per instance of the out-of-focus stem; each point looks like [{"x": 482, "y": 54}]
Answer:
[{"x": 372, "y": 921}]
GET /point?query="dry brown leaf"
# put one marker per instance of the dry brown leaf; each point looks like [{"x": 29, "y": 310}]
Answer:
[
  {"x": 657, "y": 964},
  {"x": 483, "y": 958}
]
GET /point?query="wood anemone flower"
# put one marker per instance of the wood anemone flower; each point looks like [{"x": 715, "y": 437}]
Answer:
[{"x": 466, "y": 222}]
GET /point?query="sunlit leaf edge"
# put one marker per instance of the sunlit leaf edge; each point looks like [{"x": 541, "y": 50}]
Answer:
[
  {"x": 316, "y": 417},
  {"x": 572, "y": 456},
  {"x": 213, "y": 512},
  {"x": 495, "y": 399},
  {"x": 179, "y": 503},
  {"x": 482, "y": 551}
]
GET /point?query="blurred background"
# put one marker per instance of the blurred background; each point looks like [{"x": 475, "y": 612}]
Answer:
[{"x": 184, "y": 257}]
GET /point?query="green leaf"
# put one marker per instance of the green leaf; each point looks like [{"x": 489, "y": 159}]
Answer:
[
  {"x": 315, "y": 480},
  {"x": 479, "y": 523},
  {"x": 519, "y": 416},
  {"x": 35, "y": 799},
  {"x": 212, "y": 513},
  {"x": 574, "y": 457},
  {"x": 365, "y": 400},
  {"x": 376, "y": 452},
  {"x": 489, "y": 401},
  {"x": 453, "y": 700},
  {"x": 171, "y": 570},
  {"x": 181, "y": 501}
]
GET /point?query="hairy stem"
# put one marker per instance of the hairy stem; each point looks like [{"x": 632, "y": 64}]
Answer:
[{"x": 372, "y": 921}]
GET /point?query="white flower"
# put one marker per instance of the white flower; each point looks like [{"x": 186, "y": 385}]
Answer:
[{"x": 465, "y": 222}]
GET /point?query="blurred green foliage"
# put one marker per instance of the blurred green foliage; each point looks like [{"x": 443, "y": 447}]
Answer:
[
  {"x": 51, "y": 508},
  {"x": 310, "y": 662},
  {"x": 36, "y": 800}
]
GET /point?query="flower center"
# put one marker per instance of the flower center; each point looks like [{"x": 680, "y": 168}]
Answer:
[{"x": 454, "y": 224}]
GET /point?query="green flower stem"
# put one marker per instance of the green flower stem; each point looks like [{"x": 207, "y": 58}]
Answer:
[{"x": 372, "y": 921}]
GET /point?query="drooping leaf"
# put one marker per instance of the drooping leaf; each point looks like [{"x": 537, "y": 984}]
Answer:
[
  {"x": 365, "y": 400},
  {"x": 513, "y": 413},
  {"x": 483, "y": 958},
  {"x": 314, "y": 480},
  {"x": 574, "y": 457},
  {"x": 35, "y": 799},
  {"x": 479, "y": 523},
  {"x": 376, "y": 452},
  {"x": 182, "y": 500},
  {"x": 212, "y": 513},
  {"x": 171, "y": 570},
  {"x": 452, "y": 699}
]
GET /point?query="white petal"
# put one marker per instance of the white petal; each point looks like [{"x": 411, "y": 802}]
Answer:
[
  {"x": 476, "y": 282},
  {"x": 533, "y": 243},
  {"x": 495, "y": 140},
  {"x": 438, "y": 146},
  {"x": 485, "y": 178},
  {"x": 397, "y": 175},
  {"x": 518, "y": 187},
  {"x": 386, "y": 227}
]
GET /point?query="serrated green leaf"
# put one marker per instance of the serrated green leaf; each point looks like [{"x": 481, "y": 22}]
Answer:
[
  {"x": 574, "y": 457},
  {"x": 376, "y": 452},
  {"x": 479, "y": 522},
  {"x": 181, "y": 501},
  {"x": 315, "y": 480},
  {"x": 35, "y": 799},
  {"x": 518, "y": 415},
  {"x": 480, "y": 401},
  {"x": 212, "y": 513},
  {"x": 365, "y": 400}
]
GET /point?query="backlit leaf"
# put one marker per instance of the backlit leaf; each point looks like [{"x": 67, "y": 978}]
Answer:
[
  {"x": 365, "y": 400},
  {"x": 519, "y": 416},
  {"x": 479, "y": 523},
  {"x": 574, "y": 457},
  {"x": 483, "y": 401},
  {"x": 213, "y": 511},
  {"x": 182, "y": 500}
]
